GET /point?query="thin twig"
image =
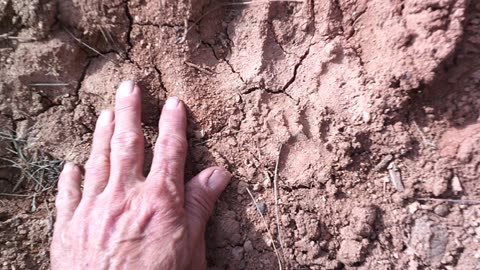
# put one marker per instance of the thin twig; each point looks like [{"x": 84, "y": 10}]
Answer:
[
  {"x": 24, "y": 39},
  {"x": 266, "y": 227},
  {"x": 199, "y": 68},
  {"x": 422, "y": 135},
  {"x": 275, "y": 194},
  {"x": 460, "y": 201},
  {"x": 254, "y": 2},
  {"x": 48, "y": 84},
  {"x": 50, "y": 216},
  {"x": 83, "y": 43},
  {"x": 16, "y": 195}
]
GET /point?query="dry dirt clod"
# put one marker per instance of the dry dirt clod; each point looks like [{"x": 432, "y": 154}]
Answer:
[
  {"x": 395, "y": 177},
  {"x": 351, "y": 252}
]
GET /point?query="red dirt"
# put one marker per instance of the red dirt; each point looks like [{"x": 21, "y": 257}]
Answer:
[{"x": 340, "y": 84}]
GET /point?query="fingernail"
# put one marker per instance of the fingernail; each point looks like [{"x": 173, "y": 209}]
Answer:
[
  {"x": 105, "y": 118},
  {"x": 68, "y": 166},
  {"x": 218, "y": 180},
  {"x": 172, "y": 103},
  {"x": 126, "y": 88}
]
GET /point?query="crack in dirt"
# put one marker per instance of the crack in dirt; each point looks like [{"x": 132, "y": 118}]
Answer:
[
  {"x": 339, "y": 8},
  {"x": 158, "y": 25},
  {"x": 81, "y": 79},
  {"x": 268, "y": 90},
  {"x": 275, "y": 39},
  {"x": 295, "y": 69},
  {"x": 130, "y": 28},
  {"x": 224, "y": 59},
  {"x": 160, "y": 78}
]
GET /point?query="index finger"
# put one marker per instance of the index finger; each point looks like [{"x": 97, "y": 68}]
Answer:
[{"x": 168, "y": 165}]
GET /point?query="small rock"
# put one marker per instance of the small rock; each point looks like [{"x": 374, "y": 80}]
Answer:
[
  {"x": 248, "y": 246},
  {"x": 262, "y": 207},
  {"x": 395, "y": 177},
  {"x": 241, "y": 187},
  {"x": 413, "y": 207},
  {"x": 285, "y": 220},
  {"x": 366, "y": 117},
  {"x": 237, "y": 253},
  {"x": 456, "y": 185},
  {"x": 238, "y": 99},
  {"x": 267, "y": 183},
  {"x": 199, "y": 134},
  {"x": 383, "y": 163},
  {"x": 441, "y": 210},
  {"x": 256, "y": 187},
  {"x": 429, "y": 240},
  {"x": 232, "y": 141}
]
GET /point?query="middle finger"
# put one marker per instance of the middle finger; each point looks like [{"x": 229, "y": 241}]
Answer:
[{"x": 127, "y": 146}]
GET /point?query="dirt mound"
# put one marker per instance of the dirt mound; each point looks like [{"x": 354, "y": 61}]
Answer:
[{"x": 355, "y": 94}]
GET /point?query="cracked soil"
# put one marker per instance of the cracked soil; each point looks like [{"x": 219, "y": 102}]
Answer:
[{"x": 347, "y": 88}]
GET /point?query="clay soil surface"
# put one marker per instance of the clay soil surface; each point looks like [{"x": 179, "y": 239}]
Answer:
[{"x": 370, "y": 108}]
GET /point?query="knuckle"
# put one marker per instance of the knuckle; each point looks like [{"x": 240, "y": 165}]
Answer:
[
  {"x": 98, "y": 165},
  {"x": 126, "y": 140},
  {"x": 172, "y": 146},
  {"x": 66, "y": 180},
  {"x": 125, "y": 106},
  {"x": 67, "y": 196},
  {"x": 166, "y": 172},
  {"x": 199, "y": 204},
  {"x": 97, "y": 161}
]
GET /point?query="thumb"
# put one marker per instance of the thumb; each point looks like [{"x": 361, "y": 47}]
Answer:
[{"x": 201, "y": 194}]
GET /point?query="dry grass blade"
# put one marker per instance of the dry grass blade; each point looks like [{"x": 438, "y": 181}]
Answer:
[
  {"x": 261, "y": 2},
  {"x": 459, "y": 201},
  {"x": 48, "y": 84},
  {"x": 199, "y": 68},
  {"x": 424, "y": 138},
  {"x": 34, "y": 167},
  {"x": 275, "y": 194},
  {"x": 266, "y": 227},
  {"x": 84, "y": 44}
]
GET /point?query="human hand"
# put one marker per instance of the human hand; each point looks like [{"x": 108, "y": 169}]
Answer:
[{"x": 123, "y": 220}]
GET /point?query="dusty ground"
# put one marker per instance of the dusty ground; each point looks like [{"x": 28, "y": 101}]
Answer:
[{"x": 355, "y": 92}]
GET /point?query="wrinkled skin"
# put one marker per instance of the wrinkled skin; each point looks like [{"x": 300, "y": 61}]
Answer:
[{"x": 123, "y": 220}]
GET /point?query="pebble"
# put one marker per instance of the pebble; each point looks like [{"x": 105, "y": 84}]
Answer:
[
  {"x": 456, "y": 185},
  {"x": 262, "y": 207},
  {"x": 441, "y": 210},
  {"x": 413, "y": 207},
  {"x": 267, "y": 183},
  {"x": 241, "y": 187},
  {"x": 199, "y": 134},
  {"x": 248, "y": 246},
  {"x": 237, "y": 253},
  {"x": 366, "y": 117}
]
